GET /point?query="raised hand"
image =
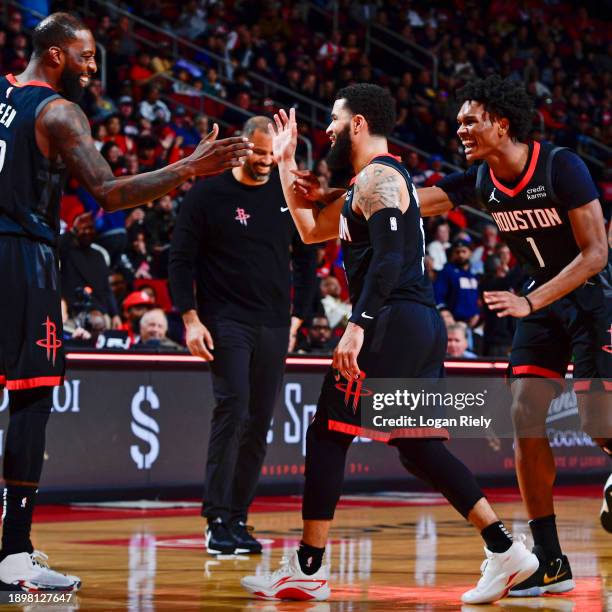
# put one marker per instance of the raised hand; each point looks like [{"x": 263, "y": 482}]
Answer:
[
  {"x": 284, "y": 136},
  {"x": 212, "y": 156}
]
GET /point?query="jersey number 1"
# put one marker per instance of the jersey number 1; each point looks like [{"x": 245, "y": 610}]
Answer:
[{"x": 534, "y": 246}]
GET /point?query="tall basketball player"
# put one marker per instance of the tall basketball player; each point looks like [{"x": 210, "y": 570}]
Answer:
[
  {"x": 43, "y": 134},
  {"x": 546, "y": 207},
  {"x": 380, "y": 227}
]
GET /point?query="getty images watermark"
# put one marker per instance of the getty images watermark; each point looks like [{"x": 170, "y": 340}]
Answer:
[{"x": 473, "y": 407}]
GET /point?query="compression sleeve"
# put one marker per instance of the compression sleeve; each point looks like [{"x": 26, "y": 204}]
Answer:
[
  {"x": 460, "y": 187},
  {"x": 387, "y": 237}
]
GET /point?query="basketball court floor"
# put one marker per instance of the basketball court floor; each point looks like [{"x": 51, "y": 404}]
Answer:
[{"x": 394, "y": 551}]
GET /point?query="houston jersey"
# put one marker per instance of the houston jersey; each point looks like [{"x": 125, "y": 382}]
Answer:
[
  {"x": 413, "y": 283},
  {"x": 30, "y": 185},
  {"x": 532, "y": 219}
]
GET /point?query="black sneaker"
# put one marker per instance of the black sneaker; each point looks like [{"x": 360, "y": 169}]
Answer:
[
  {"x": 606, "y": 509},
  {"x": 219, "y": 540},
  {"x": 245, "y": 542},
  {"x": 553, "y": 576}
]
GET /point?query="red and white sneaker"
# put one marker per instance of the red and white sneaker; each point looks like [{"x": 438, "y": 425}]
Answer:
[
  {"x": 289, "y": 582},
  {"x": 29, "y": 572},
  {"x": 501, "y": 571}
]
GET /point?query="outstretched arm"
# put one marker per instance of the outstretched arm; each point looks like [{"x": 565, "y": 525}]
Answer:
[
  {"x": 313, "y": 223},
  {"x": 67, "y": 130},
  {"x": 433, "y": 201}
]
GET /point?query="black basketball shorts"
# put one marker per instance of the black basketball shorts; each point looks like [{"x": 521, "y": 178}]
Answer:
[
  {"x": 407, "y": 340},
  {"x": 31, "y": 347},
  {"x": 578, "y": 326}
]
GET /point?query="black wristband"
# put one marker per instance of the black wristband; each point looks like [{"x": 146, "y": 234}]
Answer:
[{"x": 530, "y": 304}]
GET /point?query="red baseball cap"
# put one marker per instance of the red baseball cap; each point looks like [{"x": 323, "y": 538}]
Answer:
[{"x": 138, "y": 298}]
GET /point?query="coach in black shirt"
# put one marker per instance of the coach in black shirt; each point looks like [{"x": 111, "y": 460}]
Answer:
[{"x": 235, "y": 236}]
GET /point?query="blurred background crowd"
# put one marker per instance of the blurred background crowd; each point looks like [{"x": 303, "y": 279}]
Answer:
[{"x": 168, "y": 70}]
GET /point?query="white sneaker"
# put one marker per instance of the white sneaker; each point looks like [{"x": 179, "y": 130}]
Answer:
[
  {"x": 289, "y": 582},
  {"x": 606, "y": 509},
  {"x": 29, "y": 572},
  {"x": 501, "y": 571}
]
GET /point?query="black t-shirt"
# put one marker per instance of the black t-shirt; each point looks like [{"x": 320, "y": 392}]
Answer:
[{"x": 235, "y": 241}]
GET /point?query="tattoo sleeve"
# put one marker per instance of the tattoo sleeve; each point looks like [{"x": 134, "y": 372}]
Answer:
[
  {"x": 70, "y": 137},
  {"x": 377, "y": 187}
]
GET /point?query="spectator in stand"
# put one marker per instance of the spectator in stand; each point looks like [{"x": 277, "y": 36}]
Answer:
[
  {"x": 182, "y": 125},
  {"x": 127, "y": 117},
  {"x": 85, "y": 270},
  {"x": 126, "y": 41},
  {"x": 192, "y": 21},
  {"x": 457, "y": 346},
  {"x": 141, "y": 72},
  {"x": 99, "y": 134},
  {"x": 498, "y": 332},
  {"x": 447, "y": 316},
  {"x": 153, "y": 108},
  {"x": 437, "y": 248},
  {"x": 486, "y": 249},
  {"x": 113, "y": 154},
  {"x": 153, "y": 327},
  {"x": 118, "y": 285},
  {"x": 213, "y": 86},
  {"x": 138, "y": 254},
  {"x": 435, "y": 173},
  {"x": 96, "y": 105},
  {"x": 336, "y": 310},
  {"x": 319, "y": 339},
  {"x": 457, "y": 287},
  {"x": 113, "y": 131},
  {"x": 413, "y": 164},
  {"x": 135, "y": 305}
]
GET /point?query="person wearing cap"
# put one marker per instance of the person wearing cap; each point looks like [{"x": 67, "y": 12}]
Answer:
[
  {"x": 126, "y": 115},
  {"x": 235, "y": 236},
  {"x": 134, "y": 307},
  {"x": 456, "y": 287}
]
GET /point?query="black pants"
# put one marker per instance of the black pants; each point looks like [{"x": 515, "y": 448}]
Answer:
[{"x": 247, "y": 375}]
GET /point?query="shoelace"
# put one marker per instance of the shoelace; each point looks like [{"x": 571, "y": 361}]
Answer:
[
  {"x": 39, "y": 558},
  {"x": 283, "y": 570}
]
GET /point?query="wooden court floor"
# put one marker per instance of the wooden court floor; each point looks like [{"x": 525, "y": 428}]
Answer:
[{"x": 391, "y": 552}]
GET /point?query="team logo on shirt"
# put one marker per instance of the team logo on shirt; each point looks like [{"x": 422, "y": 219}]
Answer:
[
  {"x": 241, "y": 216},
  {"x": 51, "y": 342},
  {"x": 492, "y": 197}
]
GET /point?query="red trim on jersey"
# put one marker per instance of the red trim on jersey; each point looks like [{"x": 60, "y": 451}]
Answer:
[
  {"x": 395, "y": 157},
  {"x": 525, "y": 179},
  {"x": 585, "y": 385},
  {"x": 11, "y": 79},
  {"x": 31, "y": 383},
  {"x": 384, "y": 436},
  {"x": 534, "y": 370}
]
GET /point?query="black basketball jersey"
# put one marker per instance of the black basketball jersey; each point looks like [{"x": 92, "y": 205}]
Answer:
[
  {"x": 529, "y": 216},
  {"x": 413, "y": 283},
  {"x": 30, "y": 185}
]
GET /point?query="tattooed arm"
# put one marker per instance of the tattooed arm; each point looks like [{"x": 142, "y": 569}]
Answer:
[
  {"x": 63, "y": 127},
  {"x": 378, "y": 187}
]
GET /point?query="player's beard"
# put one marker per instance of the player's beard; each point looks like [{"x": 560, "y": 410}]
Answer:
[
  {"x": 70, "y": 83},
  {"x": 339, "y": 157},
  {"x": 252, "y": 172}
]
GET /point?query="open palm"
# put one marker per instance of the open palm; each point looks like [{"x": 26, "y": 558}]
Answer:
[{"x": 284, "y": 136}]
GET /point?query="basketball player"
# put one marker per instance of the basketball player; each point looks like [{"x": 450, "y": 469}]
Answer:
[
  {"x": 380, "y": 227},
  {"x": 43, "y": 133},
  {"x": 546, "y": 207}
]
